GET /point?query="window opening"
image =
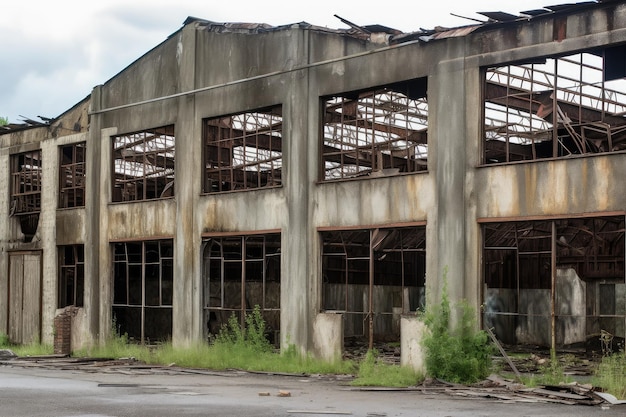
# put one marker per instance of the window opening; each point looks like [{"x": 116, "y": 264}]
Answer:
[
  {"x": 241, "y": 272},
  {"x": 71, "y": 275},
  {"x": 376, "y": 132},
  {"x": 243, "y": 151},
  {"x": 373, "y": 276},
  {"x": 26, "y": 176},
  {"x": 72, "y": 175},
  {"x": 555, "y": 283},
  {"x": 555, "y": 107},
  {"x": 143, "y": 275},
  {"x": 144, "y": 165}
]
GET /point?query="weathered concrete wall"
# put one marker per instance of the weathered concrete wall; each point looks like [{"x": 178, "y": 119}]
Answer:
[
  {"x": 449, "y": 197},
  {"x": 526, "y": 319},
  {"x": 575, "y": 185}
]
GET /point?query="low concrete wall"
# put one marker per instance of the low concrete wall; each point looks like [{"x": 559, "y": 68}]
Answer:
[
  {"x": 412, "y": 331},
  {"x": 328, "y": 336}
]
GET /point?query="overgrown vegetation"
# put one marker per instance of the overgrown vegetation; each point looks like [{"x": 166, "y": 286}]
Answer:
[
  {"x": 33, "y": 349},
  {"x": 4, "y": 121},
  {"x": 374, "y": 372},
  {"x": 234, "y": 348},
  {"x": 461, "y": 354},
  {"x": 611, "y": 375}
]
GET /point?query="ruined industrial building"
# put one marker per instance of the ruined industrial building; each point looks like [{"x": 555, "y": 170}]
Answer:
[{"x": 333, "y": 178}]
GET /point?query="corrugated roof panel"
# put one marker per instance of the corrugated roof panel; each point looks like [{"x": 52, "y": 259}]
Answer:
[{"x": 500, "y": 16}]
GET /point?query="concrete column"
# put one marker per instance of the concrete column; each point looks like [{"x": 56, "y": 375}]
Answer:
[
  {"x": 5, "y": 231},
  {"x": 187, "y": 305},
  {"x": 46, "y": 231},
  {"x": 448, "y": 123},
  {"x": 296, "y": 311},
  {"x": 93, "y": 197}
]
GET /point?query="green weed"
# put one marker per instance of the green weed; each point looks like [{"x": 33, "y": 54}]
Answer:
[
  {"x": 4, "y": 341},
  {"x": 462, "y": 354}
]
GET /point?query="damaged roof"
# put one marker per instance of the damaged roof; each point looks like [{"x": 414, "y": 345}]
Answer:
[
  {"x": 374, "y": 32},
  {"x": 394, "y": 36}
]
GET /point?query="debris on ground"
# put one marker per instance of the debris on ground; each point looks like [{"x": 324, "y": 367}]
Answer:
[{"x": 494, "y": 387}]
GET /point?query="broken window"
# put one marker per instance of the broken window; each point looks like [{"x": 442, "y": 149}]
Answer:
[
  {"x": 374, "y": 276},
  {"x": 555, "y": 107},
  {"x": 376, "y": 132},
  {"x": 72, "y": 175},
  {"x": 241, "y": 272},
  {"x": 555, "y": 282},
  {"x": 144, "y": 165},
  {"x": 26, "y": 183},
  {"x": 143, "y": 277},
  {"x": 243, "y": 151},
  {"x": 71, "y": 275}
]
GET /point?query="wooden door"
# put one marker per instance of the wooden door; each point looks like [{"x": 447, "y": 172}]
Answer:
[{"x": 25, "y": 297}]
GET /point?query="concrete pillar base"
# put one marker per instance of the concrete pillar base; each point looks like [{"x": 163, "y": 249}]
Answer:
[
  {"x": 328, "y": 336},
  {"x": 412, "y": 331}
]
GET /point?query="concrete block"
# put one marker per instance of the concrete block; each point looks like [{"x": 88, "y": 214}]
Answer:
[
  {"x": 412, "y": 331},
  {"x": 328, "y": 336}
]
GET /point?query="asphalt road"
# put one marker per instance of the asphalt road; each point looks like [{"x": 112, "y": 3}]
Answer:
[{"x": 35, "y": 392}]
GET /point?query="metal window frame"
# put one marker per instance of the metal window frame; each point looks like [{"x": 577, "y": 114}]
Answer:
[
  {"x": 553, "y": 107},
  {"x": 243, "y": 151},
  {"x": 375, "y": 132},
  {"x": 65, "y": 267},
  {"x": 122, "y": 259},
  {"x": 144, "y": 164},
  {"x": 243, "y": 259},
  {"x": 26, "y": 177},
  {"x": 72, "y": 175}
]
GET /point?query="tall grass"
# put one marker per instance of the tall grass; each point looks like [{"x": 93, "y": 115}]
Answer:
[
  {"x": 611, "y": 374},
  {"x": 32, "y": 349}
]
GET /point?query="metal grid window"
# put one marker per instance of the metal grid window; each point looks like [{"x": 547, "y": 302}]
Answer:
[
  {"x": 556, "y": 107},
  {"x": 144, "y": 165},
  {"x": 26, "y": 176},
  {"x": 143, "y": 274},
  {"x": 376, "y": 132},
  {"x": 71, "y": 275},
  {"x": 241, "y": 272},
  {"x": 373, "y": 276},
  {"x": 72, "y": 175},
  {"x": 243, "y": 151},
  {"x": 556, "y": 283}
]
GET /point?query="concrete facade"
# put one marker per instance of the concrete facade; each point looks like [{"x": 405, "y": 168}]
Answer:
[{"x": 204, "y": 71}]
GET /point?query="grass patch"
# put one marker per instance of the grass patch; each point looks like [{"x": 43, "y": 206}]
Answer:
[
  {"x": 374, "y": 373},
  {"x": 234, "y": 348},
  {"x": 611, "y": 375},
  {"x": 33, "y": 349}
]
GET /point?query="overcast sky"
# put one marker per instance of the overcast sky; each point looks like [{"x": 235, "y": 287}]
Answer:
[{"x": 54, "y": 52}]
